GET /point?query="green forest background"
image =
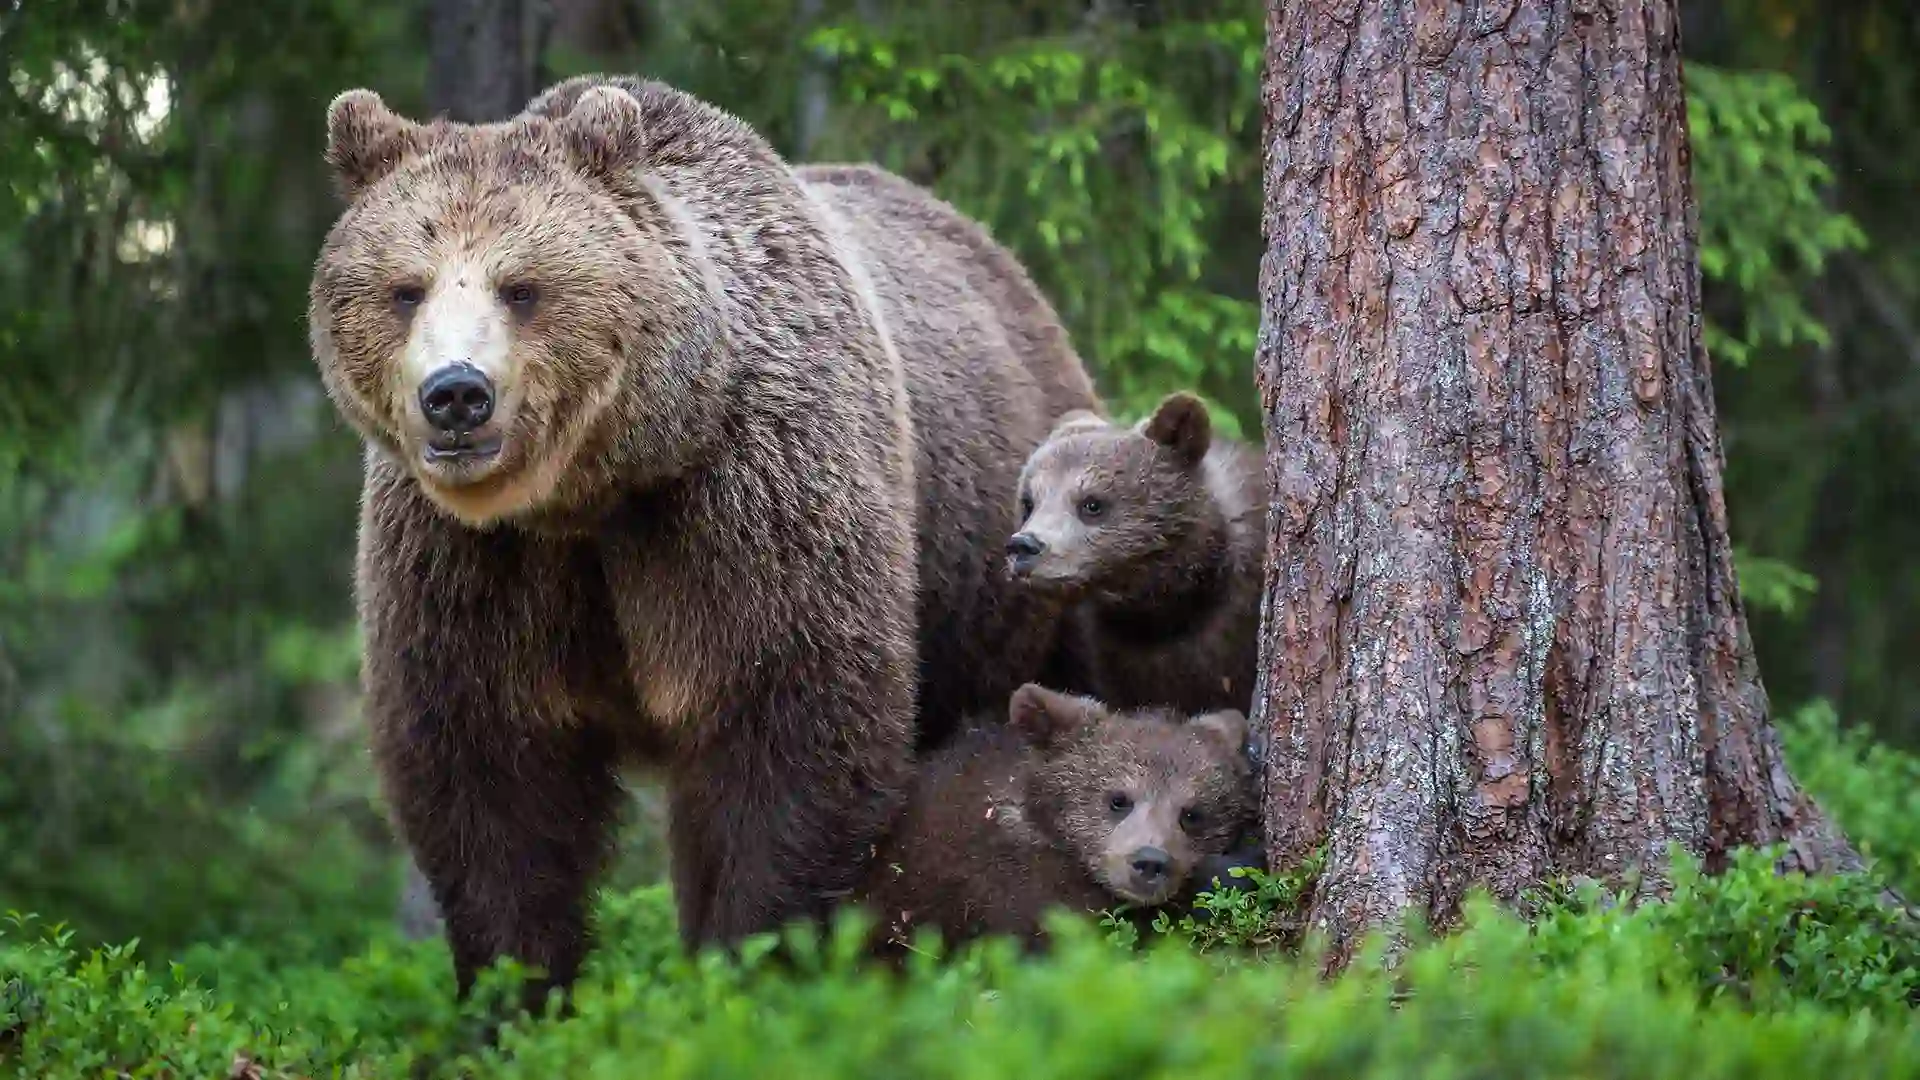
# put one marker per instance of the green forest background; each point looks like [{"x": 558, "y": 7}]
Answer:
[{"x": 180, "y": 755}]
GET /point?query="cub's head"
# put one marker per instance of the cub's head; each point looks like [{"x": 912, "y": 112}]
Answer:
[
  {"x": 1140, "y": 797},
  {"x": 497, "y": 301},
  {"x": 1098, "y": 500}
]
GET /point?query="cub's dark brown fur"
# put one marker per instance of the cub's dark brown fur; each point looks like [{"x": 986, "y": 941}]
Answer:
[
  {"x": 673, "y": 455},
  {"x": 1066, "y": 805},
  {"x": 1154, "y": 532}
]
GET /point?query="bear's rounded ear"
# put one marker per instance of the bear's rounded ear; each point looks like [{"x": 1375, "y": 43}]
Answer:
[
  {"x": 1227, "y": 728},
  {"x": 603, "y": 132},
  {"x": 1181, "y": 424},
  {"x": 365, "y": 140},
  {"x": 1047, "y": 718}
]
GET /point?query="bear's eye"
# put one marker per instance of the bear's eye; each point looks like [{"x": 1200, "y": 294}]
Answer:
[
  {"x": 408, "y": 297},
  {"x": 1026, "y": 507},
  {"x": 1092, "y": 508},
  {"x": 1191, "y": 819},
  {"x": 519, "y": 295},
  {"x": 1119, "y": 802}
]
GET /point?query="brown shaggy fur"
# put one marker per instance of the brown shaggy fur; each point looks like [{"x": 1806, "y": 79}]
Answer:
[
  {"x": 1053, "y": 809},
  {"x": 689, "y": 532},
  {"x": 1154, "y": 531},
  {"x": 981, "y": 634}
]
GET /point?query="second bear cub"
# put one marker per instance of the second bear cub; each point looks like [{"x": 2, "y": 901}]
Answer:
[
  {"x": 1153, "y": 532},
  {"x": 1068, "y": 804}
]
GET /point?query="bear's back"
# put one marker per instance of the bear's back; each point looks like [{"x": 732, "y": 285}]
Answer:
[
  {"x": 977, "y": 352},
  {"x": 989, "y": 369}
]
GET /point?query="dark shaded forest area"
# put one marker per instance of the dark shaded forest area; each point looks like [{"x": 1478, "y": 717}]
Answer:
[{"x": 182, "y": 757}]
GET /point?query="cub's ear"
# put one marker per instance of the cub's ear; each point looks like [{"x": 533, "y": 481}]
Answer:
[
  {"x": 366, "y": 141},
  {"x": 1076, "y": 420},
  {"x": 1181, "y": 424},
  {"x": 603, "y": 132},
  {"x": 1049, "y": 719},
  {"x": 1227, "y": 729}
]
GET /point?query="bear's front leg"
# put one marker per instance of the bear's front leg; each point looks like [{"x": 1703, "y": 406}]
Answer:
[
  {"x": 510, "y": 832},
  {"x": 475, "y": 647},
  {"x": 777, "y": 804}
]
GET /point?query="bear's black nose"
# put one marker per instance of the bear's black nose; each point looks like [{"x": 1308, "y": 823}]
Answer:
[
  {"x": 1025, "y": 545},
  {"x": 1150, "y": 864},
  {"x": 457, "y": 398}
]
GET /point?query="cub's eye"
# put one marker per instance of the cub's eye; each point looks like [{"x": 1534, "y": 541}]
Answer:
[
  {"x": 1119, "y": 802},
  {"x": 519, "y": 295},
  {"x": 1191, "y": 819},
  {"x": 1026, "y": 507},
  {"x": 1092, "y": 508},
  {"x": 408, "y": 297}
]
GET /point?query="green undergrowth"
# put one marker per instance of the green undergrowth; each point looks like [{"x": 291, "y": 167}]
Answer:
[
  {"x": 1258, "y": 923},
  {"x": 1870, "y": 788},
  {"x": 1744, "y": 974}
]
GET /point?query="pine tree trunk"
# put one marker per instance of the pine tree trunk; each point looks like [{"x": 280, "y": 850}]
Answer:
[
  {"x": 813, "y": 97},
  {"x": 1503, "y": 639},
  {"x": 609, "y": 33},
  {"x": 485, "y": 57}
]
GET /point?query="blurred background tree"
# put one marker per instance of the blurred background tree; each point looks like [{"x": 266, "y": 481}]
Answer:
[{"x": 180, "y": 755}]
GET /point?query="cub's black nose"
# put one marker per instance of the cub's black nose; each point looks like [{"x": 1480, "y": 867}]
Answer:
[
  {"x": 457, "y": 399},
  {"x": 1150, "y": 864},
  {"x": 1025, "y": 545}
]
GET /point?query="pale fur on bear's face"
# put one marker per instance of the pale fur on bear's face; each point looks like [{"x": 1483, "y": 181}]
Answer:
[
  {"x": 534, "y": 253},
  {"x": 1140, "y": 797},
  {"x": 1097, "y": 499}
]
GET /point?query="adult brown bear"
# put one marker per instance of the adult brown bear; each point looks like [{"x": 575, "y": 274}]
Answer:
[{"x": 674, "y": 453}]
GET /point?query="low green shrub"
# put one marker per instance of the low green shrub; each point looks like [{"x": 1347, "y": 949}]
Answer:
[
  {"x": 1870, "y": 788},
  {"x": 1256, "y": 923},
  {"x": 1747, "y": 974},
  {"x": 122, "y": 827},
  {"x": 1750, "y": 934}
]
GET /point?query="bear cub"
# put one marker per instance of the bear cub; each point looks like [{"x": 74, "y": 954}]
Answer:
[
  {"x": 1153, "y": 534},
  {"x": 1068, "y": 804}
]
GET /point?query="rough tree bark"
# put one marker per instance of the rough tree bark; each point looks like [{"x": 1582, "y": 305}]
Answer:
[{"x": 1503, "y": 639}]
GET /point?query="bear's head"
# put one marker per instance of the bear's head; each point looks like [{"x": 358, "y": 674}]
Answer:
[
  {"x": 1098, "y": 501},
  {"x": 1140, "y": 798},
  {"x": 511, "y": 310}
]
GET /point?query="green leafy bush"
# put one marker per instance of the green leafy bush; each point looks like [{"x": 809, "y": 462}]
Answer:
[
  {"x": 1111, "y": 157},
  {"x": 1870, "y": 788},
  {"x": 1259, "y": 921},
  {"x": 1747, "y": 975},
  {"x": 1765, "y": 226},
  {"x": 1766, "y": 939}
]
